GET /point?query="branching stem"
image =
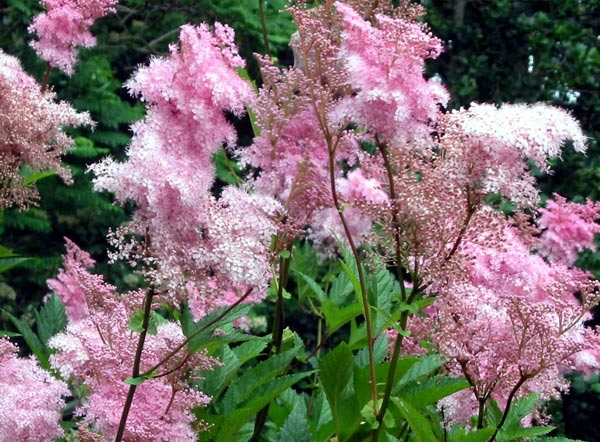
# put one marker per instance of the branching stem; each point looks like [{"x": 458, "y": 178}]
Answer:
[{"x": 136, "y": 364}]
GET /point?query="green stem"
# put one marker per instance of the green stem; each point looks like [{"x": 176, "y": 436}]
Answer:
[
  {"x": 196, "y": 333},
  {"x": 403, "y": 298},
  {"x": 509, "y": 400},
  {"x": 136, "y": 364},
  {"x": 359, "y": 266},
  {"x": 277, "y": 340},
  {"x": 263, "y": 24}
]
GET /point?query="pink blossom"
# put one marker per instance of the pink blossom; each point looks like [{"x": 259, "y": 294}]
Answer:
[
  {"x": 569, "y": 228},
  {"x": 67, "y": 286},
  {"x": 514, "y": 318},
  {"x": 98, "y": 351},
  {"x": 208, "y": 250},
  {"x": 385, "y": 66},
  {"x": 64, "y": 27},
  {"x": 488, "y": 146},
  {"x": 31, "y": 132},
  {"x": 31, "y": 400}
]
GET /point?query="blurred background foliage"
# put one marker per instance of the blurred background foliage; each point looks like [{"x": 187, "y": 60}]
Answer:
[{"x": 495, "y": 51}]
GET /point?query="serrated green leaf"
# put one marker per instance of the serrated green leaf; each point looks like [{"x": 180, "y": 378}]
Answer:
[
  {"x": 380, "y": 351},
  {"x": 424, "y": 366},
  {"x": 244, "y": 387},
  {"x": 267, "y": 392},
  {"x": 421, "y": 394},
  {"x": 296, "y": 428},
  {"x": 461, "y": 435},
  {"x": 315, "y": 287},
  {"x": 336, "y": 317},
  {"x": 203, "y": 330},
  {"x": 355, "y": 282},
  {"x": 51, "y": 319}
]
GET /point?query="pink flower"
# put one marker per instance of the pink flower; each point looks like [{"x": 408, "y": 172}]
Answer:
[
  {"x": 488, "y": 146},
  {"x": 569, "y": 228},
  {"x": 67, "y": 283},
  {"x": 31, "y": 400},
  {"x": 98, "y": 351},
  {"x": 31, "y": 133},
  {"x": 513, "y": 319},
  {"x": 385, "y": 66},
  {"x": 64, "y": 27},
  {"x": 205, "y": 248}
]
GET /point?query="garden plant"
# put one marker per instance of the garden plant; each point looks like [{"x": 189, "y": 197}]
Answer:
[{"x": 442, "y": 292}]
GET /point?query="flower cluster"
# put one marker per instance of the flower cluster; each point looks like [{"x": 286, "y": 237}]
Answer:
[
  {"x": 204, "y": 248},
  {"x": 31, "y": 400},
  {"x": 31, "y": 136},
  {"x": 489, "y": 146},
  {"x": 64, "y": 26},
  {"x": 97, "y": 349},
  {"x": 513, "y": 323},
  {"x": 569, "y": 228}
]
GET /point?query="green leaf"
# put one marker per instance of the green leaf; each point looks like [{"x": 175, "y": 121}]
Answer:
[
  {"x": 9, "y": 263},
  {"x": 354, "y": 280},
  {"x": 424, "y": 366},
  {"x": 134, "y": 381},
  {"x": 321, "y": 421},
  {"x": 51, "y": 319},
  {"x": 420, "y": 426},
  {"x": 337, "y": 377},
  {"x": 459, "y": 434},
  {"x": 31, "y": 177},
  {"x": 262, "y": 396},
  {"x": 5, "y": 252},
  {"x": 244, "y": 387},
  {"x": 296, "y": 428},
  {"x": 32, "y": 341},
  {"x": 337, "y": 317},
  {"x": 421, "y": 394},
  {"x": 315, "y": 287},
  {"x": 203, "y": 330}
]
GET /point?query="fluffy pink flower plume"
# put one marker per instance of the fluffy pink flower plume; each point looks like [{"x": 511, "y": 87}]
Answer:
[
  {"x": 67, "y": 283},
  {"x": 98, "y": 351},
  {"x": 64, "y": 27},
  {"x": 31, "y": 400},
  {"x": 31, "y": 132},
  {"x": 488, "y": 146},
  {"x": 514, "y": 316},
  {"x": 569, "y": 228},
  {"x": 385, "y": 66},
  {"x": 205, "y": 249}
]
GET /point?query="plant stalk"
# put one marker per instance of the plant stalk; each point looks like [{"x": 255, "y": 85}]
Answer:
[
  {"x": 136, "y": 364},
  {"x": 361, "y": 276},
  {"x": 277, "y": 340}
]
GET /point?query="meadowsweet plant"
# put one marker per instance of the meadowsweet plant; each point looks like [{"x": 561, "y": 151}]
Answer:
[{"x": 445, "y": 297}]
